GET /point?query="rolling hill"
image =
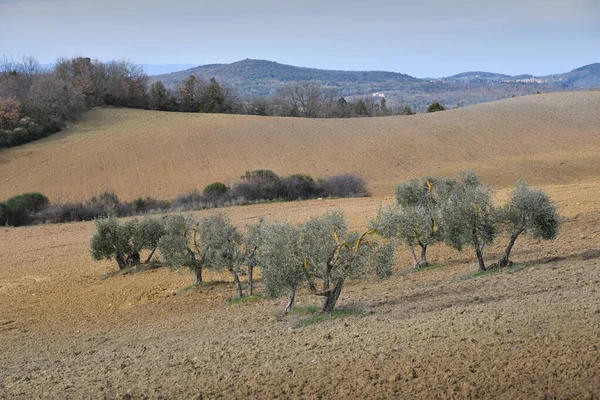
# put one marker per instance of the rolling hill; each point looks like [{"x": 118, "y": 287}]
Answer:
[{"x": 546, "y": 139}]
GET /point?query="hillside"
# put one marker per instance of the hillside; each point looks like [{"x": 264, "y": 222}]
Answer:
[
  {"x": 261, "y": 77},
  {"x": 70, "y": 328},
  {"x": 546, "y": 139}
]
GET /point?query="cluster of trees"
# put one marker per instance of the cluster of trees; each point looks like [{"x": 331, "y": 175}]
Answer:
[
  {"x": 461, "y": 213},
  {"x": 321, "y": 254},
  {"x": 254, "y": 186},
  {"x": 36, "y": 102},
  {"x": 308, "y": 99}
]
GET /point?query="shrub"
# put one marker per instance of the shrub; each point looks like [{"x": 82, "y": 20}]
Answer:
[
  {"x": 106, "y": 205},
  {"x": 298, "y": 186},
  {"x": 260, "y": 184},
  {"x": 343, "y": 185},
  {"x": 189, "y": 201},
  {"x": 435, "y": 106},
  {"x": 16, "y": 211},
  {"x": 528, "y": 211},
  {"x": 215, "y": 189},
  {"x": 143, "y": 205}
]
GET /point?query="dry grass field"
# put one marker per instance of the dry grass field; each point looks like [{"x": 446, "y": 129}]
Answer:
[{"x": 532, "y": 331}]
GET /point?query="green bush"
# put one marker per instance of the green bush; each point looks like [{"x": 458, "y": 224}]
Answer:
[
  {"x": 17, "y": 210},
  {"x": 215, "y": 189},
  {"x": 435, "y": 106}
]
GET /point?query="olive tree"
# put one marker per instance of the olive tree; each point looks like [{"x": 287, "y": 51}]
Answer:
[
  {"x": 468, "y": 216},
  {"x": 528, "y": 211},
  {"x": 322, "y": 256},
  {"x": 225, "y": 248},
  {"x": 250, "y": 245},
  {"x": 280, "y": 261},
  {"x": 408, "y": 226},
  {"x": 180, "y": 246},
  {"x": 415, "y": 219},
  {"x": 124, "y": 242}
]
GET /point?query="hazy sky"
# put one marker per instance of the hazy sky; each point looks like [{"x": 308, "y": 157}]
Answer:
[{"x": 420, "y": 37}]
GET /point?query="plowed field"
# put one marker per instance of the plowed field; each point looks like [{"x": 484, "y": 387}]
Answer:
[{"x": 67, "y": 330}]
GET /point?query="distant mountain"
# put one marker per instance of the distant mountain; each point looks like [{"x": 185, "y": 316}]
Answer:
[
  {"x": 260, "y": 77},
  {"x": 152, "y": 69},
  {"x": 587, "y": 76},
  {"x": 477, "y": 76}
]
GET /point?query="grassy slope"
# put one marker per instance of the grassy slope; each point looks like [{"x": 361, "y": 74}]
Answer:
[{"x": 546, "y": 139}]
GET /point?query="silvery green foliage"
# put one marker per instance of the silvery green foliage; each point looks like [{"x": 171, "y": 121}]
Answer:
[
  {"x": 125, "y": 241},
  {"x": 532, "y": 211},
  {"x": 411, "y": 226},
  {"x": 219, "y": 242},
  {"x": 251, "y": 243},
  {"x": 528, "y": 211},
  {"x": 382, "y": 261},
  {"x": 318, "y": 241},
  {"x": 321, "y": 254},
  {"x": 279, "y": 258},
  {"x": 109, "y": 241},
  {"x": 180, "y": 245},
  {"x": 469, "y": 215}
]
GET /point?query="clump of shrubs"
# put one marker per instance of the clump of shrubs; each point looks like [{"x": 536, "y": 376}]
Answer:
[{"x": 17, "y": 210}]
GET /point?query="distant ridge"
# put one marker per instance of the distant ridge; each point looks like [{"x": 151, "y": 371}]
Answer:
[{"x": 262, "y": 77}]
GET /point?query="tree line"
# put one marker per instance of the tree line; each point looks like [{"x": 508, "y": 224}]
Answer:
[
  {"x": 36, "y": 102},
  {"x": 254, "y": 186},
  {"x": 322, "y": 253}
]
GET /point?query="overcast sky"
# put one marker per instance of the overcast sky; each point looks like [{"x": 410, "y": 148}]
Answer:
[{"x": 423, "y": 38}]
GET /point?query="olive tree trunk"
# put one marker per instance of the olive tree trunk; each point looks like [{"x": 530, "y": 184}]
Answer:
[
  {"x": 121, "y": 262},
  {"x": 332, "y": 295},
  {"x": 505, "y": 260},
  {"x": 423, "y": 262},
  {"x": 238, "y": 285},
  {"x": 414, "y": 257},
  {"x": 150, "y": 256},
  {"x": 198, "y": 271},
  {"x": 290, "y": 303},
  {"x": 479, "y": 251},
  {"x": 250, "y": 279}
]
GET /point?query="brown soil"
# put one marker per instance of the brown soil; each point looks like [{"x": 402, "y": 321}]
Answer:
[
  {"x": 546, "y": 139},
  {"x": 532, "y": 331},
  {"x": 529, "y": 332}
]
